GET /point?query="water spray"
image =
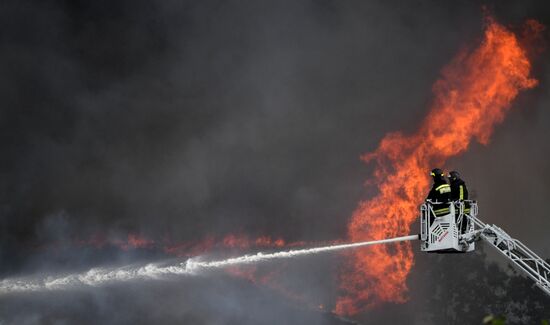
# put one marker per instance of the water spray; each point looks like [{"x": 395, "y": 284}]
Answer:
[{"x": 159, "y": 271}]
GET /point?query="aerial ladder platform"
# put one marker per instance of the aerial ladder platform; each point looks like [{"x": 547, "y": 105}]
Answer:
[{"x": 459, "y": 228}]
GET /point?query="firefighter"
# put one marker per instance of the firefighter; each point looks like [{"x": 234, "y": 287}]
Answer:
[
  {"x": 440, "y": 193},
  {"x": 459, "y": 192},
  {"x": 458, "y": 187}
]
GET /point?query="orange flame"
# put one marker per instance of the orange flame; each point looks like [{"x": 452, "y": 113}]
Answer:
[
  {"x": 135, "y": 241},
  {"x": 472, "y": 96},
  {"x": 230, "y": 241}
]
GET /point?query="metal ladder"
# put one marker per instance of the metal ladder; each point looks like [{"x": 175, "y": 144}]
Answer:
[{"x": 520, "y": 255}]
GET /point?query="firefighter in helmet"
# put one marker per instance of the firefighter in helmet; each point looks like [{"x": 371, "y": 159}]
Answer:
[
  {"x": 440, "y": 193},
  {"x": 458, "y": 187},
  {"x": 459, "y": 192}
]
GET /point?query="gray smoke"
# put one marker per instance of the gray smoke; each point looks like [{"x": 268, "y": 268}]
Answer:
[{"x": 179, "y": 120}]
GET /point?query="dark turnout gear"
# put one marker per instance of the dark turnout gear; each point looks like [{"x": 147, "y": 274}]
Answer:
[
  {"x": 459, "y": 192},
  {"x": 458, "y": 187},
  {"x": 440, "y": 192}
]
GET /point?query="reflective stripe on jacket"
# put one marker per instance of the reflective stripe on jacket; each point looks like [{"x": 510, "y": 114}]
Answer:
[
  {"x": 440, "y": 191},
  {"x": 458, "y": 190}
]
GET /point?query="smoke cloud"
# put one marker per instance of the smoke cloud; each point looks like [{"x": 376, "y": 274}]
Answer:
[{"x": 180, "y": 120}]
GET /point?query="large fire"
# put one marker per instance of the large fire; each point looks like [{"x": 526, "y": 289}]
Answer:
[{"x": 473, "y": 95}]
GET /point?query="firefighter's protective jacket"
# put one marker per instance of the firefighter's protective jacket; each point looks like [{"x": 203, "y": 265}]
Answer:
[
  {"x": 440, "y": 191},
  {"x": 458, "y": 190}
]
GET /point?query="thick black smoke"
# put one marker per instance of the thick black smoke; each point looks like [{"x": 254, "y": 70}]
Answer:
[{"x": 188, "y": 119}]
